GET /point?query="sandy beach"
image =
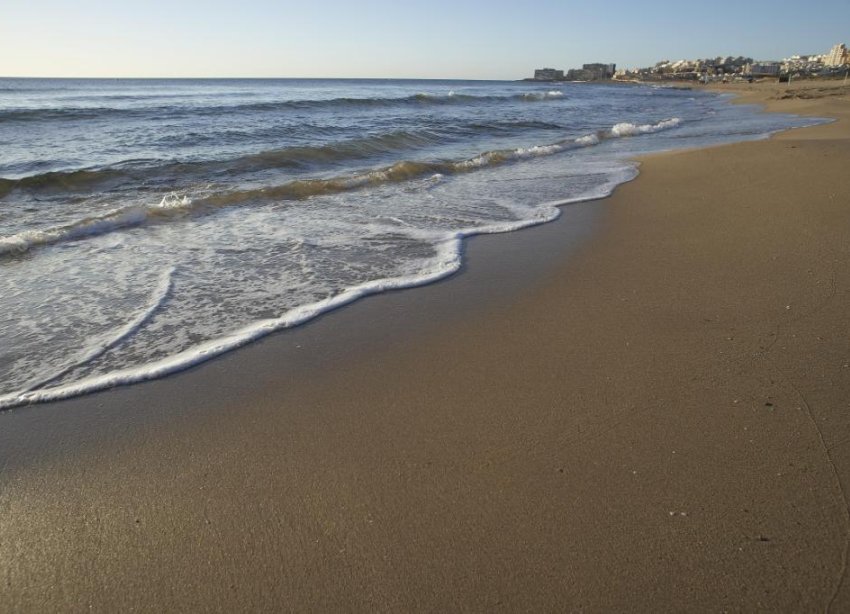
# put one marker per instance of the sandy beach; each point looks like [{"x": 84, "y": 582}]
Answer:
[{"x": 642, "y": 406}]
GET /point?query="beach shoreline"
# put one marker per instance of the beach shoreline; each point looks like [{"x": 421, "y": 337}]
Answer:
[{"x": 651, "y": 419}]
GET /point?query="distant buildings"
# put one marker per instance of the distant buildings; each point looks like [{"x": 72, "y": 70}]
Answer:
[
  {"x": 803, "y": 64},
  {"x": 835, "y": 62},
  {"x": 837, "y": 56},
  {"x": 592, "y": 72},
  {"x": 764, "y": 69},
  {"x": 579, "y": 74},
  {"x": 701, "y": 69},
  {"x": 588, "y": 72},
  {"x": 548, "y": 74}
]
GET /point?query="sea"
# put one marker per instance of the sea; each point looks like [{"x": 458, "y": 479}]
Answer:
[{"x": 149, "y": 225}]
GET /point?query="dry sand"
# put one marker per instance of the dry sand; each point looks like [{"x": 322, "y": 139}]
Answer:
[{"x": 656, "y": 419}]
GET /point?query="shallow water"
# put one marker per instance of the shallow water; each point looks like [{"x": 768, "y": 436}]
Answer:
[{"x": 147, "y": 225}]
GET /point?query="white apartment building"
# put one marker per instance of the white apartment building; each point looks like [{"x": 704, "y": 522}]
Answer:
[{"x": 837, "y": 56}]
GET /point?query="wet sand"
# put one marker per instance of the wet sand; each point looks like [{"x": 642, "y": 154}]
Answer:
[{"x": 642, "y": 406}]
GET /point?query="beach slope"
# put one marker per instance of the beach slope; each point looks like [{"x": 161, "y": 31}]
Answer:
[{"x": 658, "y": 420}]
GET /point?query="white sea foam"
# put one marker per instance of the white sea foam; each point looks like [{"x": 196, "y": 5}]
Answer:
[
  {"x": 627, "y": 129},
  {"x": 158, "y": 297},
  {"x": 172, "y": 203},
  {"x": 116, "y": 219},
  {"x": 538, "y": 96},
  {"x": 537, "y": 150},
  {"x": 27, "y": 239},
  {"x": 587, "y": 140},
  {"x": 477, "y": 161},
  {"x": 616, "y": 131},
  {"x": 261, "y": 250},
  {"x": 445, "y": 262}
]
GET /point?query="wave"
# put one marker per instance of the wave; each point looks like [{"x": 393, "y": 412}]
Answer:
[
  {"x": 446, "y": 262},
  {"x": 537, "y": 96},
  {"x": 297, "y": 157},
  {"x": 70, "y": 113},
  {"x": 175, "y": 206},
  {"x": 626, "y": 129},
  {"x": 65, "y": 181},
  {"x": 60, "y": 114},
  {"x": 503, "y": 126},
  {"x": 114, "y": 220},
  {"x": 351, "y": 149}
]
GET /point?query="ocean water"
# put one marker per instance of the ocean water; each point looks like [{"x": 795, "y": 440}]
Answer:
[{"x": 148, "y": 225}]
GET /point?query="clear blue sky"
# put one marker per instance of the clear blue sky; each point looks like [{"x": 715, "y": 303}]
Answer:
[{"x": 495, "y": 39}]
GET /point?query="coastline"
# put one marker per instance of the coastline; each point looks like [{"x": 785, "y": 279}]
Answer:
[{"x": 653, "y": 422}]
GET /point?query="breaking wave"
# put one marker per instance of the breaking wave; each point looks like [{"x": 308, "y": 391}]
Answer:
[
  {"x": 626, "y": 129},
  {"x": 537, "y": 96},
  {"x": 175, "y": 206},
  {"x": 295, "y": 157},
  {"x": 303, "y": 158}
]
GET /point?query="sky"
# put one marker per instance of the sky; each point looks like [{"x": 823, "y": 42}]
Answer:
[{"x": 495, "y": 39}]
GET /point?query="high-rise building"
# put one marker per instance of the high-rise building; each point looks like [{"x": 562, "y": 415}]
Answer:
[
  {"x": 548, "y": 74},
  {"x": 600, "y": 71},
  {"x": 837, "y": 56}
]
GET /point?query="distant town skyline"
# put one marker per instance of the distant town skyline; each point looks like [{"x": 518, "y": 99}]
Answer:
[{"x": 496, "y": 39}]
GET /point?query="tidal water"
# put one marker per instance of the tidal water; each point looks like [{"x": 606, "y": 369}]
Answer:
[{"x": 148, "y": 225}]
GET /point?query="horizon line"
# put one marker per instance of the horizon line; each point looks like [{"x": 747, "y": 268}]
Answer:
[{"x": 267, "y": 78}]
